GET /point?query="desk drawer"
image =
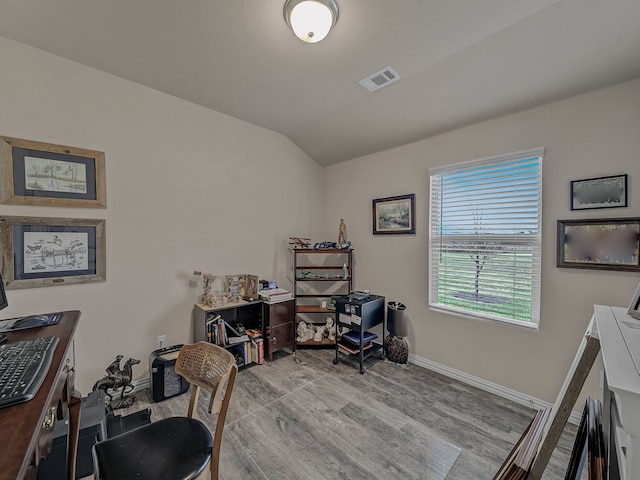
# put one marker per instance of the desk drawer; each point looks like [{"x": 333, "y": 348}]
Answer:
[{"x": 57, "y": 410}]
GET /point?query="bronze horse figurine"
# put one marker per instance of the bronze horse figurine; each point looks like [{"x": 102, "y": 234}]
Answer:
[{"x": 117, "y": 378}]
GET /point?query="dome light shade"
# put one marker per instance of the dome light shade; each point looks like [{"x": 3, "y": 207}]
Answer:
[{"x": 311, "y": 20}]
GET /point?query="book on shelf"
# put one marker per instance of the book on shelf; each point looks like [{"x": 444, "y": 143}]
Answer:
[
  {"x": 348, "y": 349},
  {"x": 244, "y": 352},
  {"x": 354, "y": 337},
  {"x": 231, "y": 329},
  {"x": 240, "y": 339},
  {"x": 212, "y": 329},
  {"x": 253, "y": 333},
  {"x": 257, "y": 351},
  {"x": 275, "y": 295}
]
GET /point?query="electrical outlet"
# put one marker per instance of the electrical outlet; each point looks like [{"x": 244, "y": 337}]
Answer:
[{"x": 161, "y": 341}]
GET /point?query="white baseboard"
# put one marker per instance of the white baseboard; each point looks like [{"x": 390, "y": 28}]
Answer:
[
  {"x": 140, "y": 383},
  {"x": 490, "y": 387}
]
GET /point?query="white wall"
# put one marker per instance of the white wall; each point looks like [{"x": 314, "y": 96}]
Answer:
[
  {"x": 592, "y": 135},
  {"x": 187, "y": 188}
]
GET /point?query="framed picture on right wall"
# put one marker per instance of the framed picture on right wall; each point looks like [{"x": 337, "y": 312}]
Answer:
[
  {"x": 603, "y": 244},
  {"x": 601, "y": 192}
]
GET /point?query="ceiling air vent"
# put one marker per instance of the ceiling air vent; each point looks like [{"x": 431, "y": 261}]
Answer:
[{"x": 380, "y": 79}]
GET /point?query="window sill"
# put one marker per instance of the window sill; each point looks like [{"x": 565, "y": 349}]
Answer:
[{"x": 486, "y": 319}]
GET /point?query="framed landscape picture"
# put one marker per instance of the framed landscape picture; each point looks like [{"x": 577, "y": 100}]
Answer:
[
  {"x": 45, "y": 252},
  {"x": 605, "y": 244},
  {"x": 602, "y": 192},
  {"x": 37, "y": 173},
  {"x": 393, "y": 215}
]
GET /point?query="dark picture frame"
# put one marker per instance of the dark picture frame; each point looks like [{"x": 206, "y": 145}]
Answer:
[
  {"x": 46, "y": 252},
  {"x": 394, "y": 215},
  {"x": 37, "y": 173},
  {"x": 600, "y": 192},
  {"x": 634, "y": 306},
  {"x": 604, "y": 244}
]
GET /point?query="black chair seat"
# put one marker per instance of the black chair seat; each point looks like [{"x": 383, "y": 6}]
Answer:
[{"x": 176, "y": 448}]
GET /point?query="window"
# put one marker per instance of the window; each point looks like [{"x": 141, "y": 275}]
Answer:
[{"x": 485, "y": 237}]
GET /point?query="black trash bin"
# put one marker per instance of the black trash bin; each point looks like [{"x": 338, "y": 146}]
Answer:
[{"x": 396, "y": 348}]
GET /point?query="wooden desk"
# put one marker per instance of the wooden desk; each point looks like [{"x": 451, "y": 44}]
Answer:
[{"x": 26, "y": 429}]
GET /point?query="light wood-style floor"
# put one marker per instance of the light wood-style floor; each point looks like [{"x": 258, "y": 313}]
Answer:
[{"x": 302, "y": 417}]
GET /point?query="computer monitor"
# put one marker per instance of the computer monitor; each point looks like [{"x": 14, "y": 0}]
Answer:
[{"x": 3, "y": 296}]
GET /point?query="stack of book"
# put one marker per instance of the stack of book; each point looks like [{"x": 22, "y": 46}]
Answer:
[
  {"x": 256, "y": 345},
  {"x": 274, "y": 295},
  {"x": 248, "y": 344},
  {"x": 250, "y": 352},
  {"x": 349, "y": 344},
  {"x": 216, "y": 331}
]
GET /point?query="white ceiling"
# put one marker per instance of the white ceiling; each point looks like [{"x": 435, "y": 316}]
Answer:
[{"x": 461, "y": 61}]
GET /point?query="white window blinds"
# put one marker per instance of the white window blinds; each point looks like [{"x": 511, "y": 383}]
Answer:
[{"x": 485, "y": 237}]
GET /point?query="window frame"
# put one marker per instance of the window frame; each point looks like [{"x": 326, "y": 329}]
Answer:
[{"x": 531, "y": 242}]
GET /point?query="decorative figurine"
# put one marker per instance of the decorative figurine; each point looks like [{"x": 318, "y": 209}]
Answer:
[
  {"x": 300, "y": 242},
  {"x": 305, "y": 333},
  {"x": 207, "y": 281},
  {"x": 117, "y": 378},
  {"x": 320, "y": 333},
  {"x": 342, "y": 232},
  {"x": 331, "y": 329}
]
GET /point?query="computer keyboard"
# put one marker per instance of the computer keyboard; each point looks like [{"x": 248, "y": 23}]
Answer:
[{"x": 23, "y": 368}]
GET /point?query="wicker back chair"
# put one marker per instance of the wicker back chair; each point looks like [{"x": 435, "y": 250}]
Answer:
[{"x": 176, "y": 447}]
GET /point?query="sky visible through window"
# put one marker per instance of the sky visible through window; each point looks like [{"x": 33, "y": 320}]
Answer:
[{"x": 485, "y": 239}]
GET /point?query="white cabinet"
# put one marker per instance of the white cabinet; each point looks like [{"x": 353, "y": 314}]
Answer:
[{"x": 620, "y": 346}]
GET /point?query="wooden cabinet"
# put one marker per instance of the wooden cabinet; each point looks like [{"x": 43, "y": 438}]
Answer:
[
  {"x": 278, "y": 326},
  {"x": 318, "y": 276}
]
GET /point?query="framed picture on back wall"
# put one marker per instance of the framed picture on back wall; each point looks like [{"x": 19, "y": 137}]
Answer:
[{"x": 394, "y": 215}]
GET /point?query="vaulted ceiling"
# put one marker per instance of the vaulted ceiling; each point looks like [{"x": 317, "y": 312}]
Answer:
[{"x": 461, "y": 61}]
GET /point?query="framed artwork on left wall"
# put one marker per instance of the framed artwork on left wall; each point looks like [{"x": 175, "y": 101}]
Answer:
[
  {"x": 37, "y": 173},
  {"x": 46, "y": 252}
]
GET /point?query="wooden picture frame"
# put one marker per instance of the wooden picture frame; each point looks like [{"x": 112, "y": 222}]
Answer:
[
  {"x": 634, "y": 306},
  {"x": 394, "y": 215},
  {"x": 601, "y": 192},
  {"x": 45, "y": 252},
  {"x": 252, "y": 286},
  {"x": 604, "y": 244},
  {"x": 37, "y": 173}
]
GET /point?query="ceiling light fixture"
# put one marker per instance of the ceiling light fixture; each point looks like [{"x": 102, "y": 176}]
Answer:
[{"x": 311, "y": 20}]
